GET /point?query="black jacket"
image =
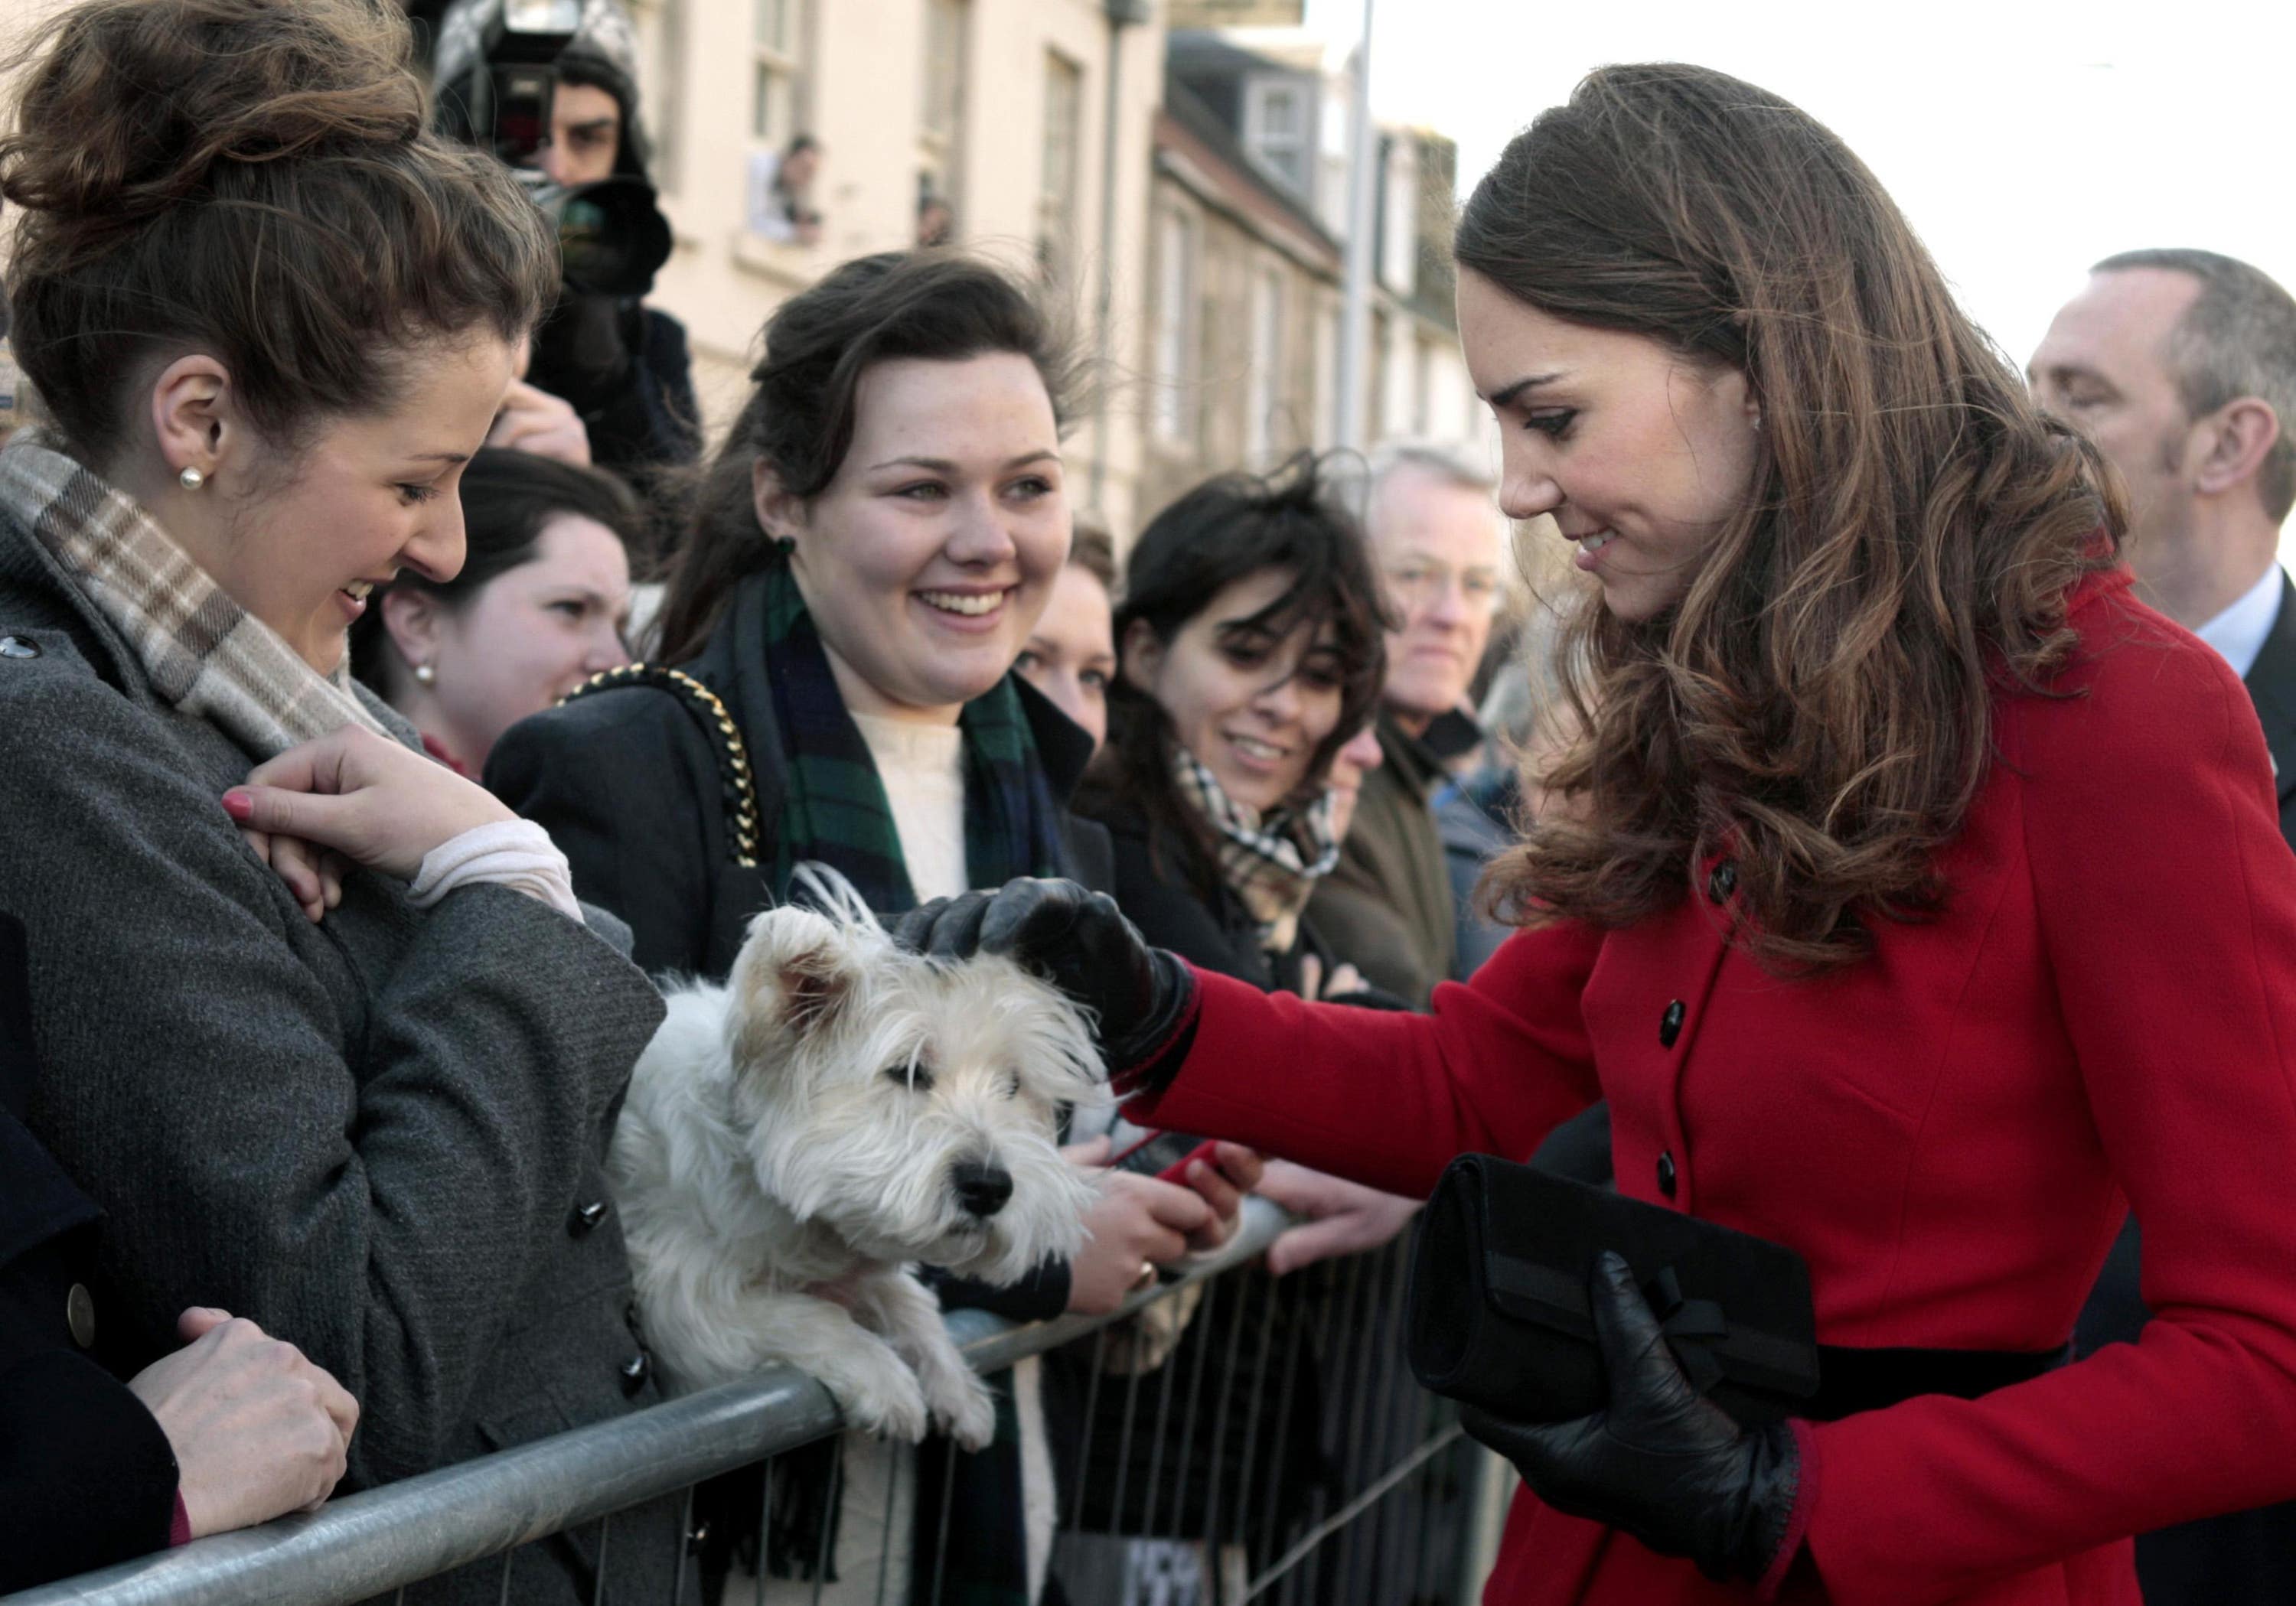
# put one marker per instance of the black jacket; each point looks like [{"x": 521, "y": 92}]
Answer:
[{"x": 86, "y": 1477}]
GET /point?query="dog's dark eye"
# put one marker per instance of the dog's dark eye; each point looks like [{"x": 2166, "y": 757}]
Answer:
[
  {"x": 1011, "y": 1084},
  {"x": 915, "y": 1078}
]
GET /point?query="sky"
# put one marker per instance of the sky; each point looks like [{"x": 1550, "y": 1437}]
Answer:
[{"x": 2025, "y": 140}]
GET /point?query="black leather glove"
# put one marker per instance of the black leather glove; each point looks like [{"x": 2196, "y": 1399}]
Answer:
[
  {"x": 1662, "y": 1462},
  {"x": 1079, "y": 940}
]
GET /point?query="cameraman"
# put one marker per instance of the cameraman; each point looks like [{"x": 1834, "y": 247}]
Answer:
[{"x": 622, "y": 365}]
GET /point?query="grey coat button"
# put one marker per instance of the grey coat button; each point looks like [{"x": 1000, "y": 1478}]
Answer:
[
  {"x": 79, "y": 1314},
  {"x": 587, "y": 1218},
  {"x": 636, "y": 1371},
  {"x": 16, "y": 646}
]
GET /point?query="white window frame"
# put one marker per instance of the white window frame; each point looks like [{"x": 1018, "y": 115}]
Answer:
[
  {"x": 1288, "y": 157},
  {"x": 1264, "y": 392},
  {"x": 1178, "y": 275},
  {"x": 1060, "y": 177},
  {"x": 775, "y": 69},
  {"x": 941, "y": 106}
]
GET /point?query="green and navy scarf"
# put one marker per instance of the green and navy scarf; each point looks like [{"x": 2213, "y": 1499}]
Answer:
[{"x": 833, "y": 805}]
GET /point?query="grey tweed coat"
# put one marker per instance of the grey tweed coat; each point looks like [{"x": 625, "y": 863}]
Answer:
[{"x": 381, "y": 1137}]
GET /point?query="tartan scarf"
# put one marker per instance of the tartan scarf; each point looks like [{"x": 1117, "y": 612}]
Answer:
[
  {"x": 204, "y": 653},
  {"x": 1271, "y": 861},
  {"x": 833, "y": 805}
]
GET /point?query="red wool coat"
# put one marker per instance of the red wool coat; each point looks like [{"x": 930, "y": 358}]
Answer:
[{"x": 2103, "y": 1017}]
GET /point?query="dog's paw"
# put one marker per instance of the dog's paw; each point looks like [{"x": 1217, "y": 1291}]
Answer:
[
  {"x": 878, "y": 1394},
  {"x": 965, "y": 1408}
]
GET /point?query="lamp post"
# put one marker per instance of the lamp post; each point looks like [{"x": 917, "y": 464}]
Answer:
[
  {"x": 1121, "y": 14},
  {"x": 1355, "y": 308}
]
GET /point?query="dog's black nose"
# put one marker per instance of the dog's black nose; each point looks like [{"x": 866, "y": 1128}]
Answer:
[{"x": 981, "y": 1189}]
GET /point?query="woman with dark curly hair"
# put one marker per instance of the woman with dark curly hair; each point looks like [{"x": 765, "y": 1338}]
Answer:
[
  {"x": 1913, "y": 894},
  {"x": 1249, "y": 652}
]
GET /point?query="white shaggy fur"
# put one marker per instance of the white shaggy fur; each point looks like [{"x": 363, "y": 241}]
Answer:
[{"x": 791, "y": 1145}]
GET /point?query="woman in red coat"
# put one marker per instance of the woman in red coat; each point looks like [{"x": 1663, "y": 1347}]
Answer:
[{"x": 1914, "y": 895}]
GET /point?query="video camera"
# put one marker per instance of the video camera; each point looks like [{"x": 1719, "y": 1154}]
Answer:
[{"x": 612, "y": 235}]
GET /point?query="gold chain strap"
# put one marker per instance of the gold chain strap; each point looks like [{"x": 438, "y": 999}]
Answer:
[{"x": 709, "y": 708}]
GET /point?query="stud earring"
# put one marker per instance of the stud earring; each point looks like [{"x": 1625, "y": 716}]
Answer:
[
  {"x": 191, "y": 480},
  {"x": 424, "y": 675}
]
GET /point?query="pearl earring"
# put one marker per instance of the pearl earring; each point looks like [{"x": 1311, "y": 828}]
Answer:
[
  {"x": 424, "y": 675},
  {"x": 191, "y": 480}
]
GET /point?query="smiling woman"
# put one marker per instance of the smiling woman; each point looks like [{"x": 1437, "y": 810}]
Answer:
[
  {"x": 872, "y": 549},
  {"x": 542, "y": 603},
  {"x": 1250, "y": 648},
  {"x": 1914, "y": 897}
]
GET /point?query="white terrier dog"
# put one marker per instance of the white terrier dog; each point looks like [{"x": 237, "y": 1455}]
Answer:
[{"x": 795, "y": 1140}]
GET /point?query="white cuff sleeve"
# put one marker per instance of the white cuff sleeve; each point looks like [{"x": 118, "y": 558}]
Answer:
[{"x": 517, "y": 853}]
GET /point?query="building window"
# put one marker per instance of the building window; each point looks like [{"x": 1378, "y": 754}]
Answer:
[
  {"x": 1398, "y": 215},
  {"x": 1327, "y": 375},
  {"x": 775, "y": 39},
  {"x": 1422, "y": 389},
  {"x": 1175, "y": 323},
  {"x": 1277, "y": 127},
  {"x": 941, "y": 122},
  {"x": 661, "y": 35},
  {"x": 1056, "y": 201},
  {"x": 1266, "y": 389}
]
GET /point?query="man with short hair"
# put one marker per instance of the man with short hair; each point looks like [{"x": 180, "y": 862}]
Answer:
[
  {"x": 1435, "y": 533},
  {"x": 2181, "y": 367}
]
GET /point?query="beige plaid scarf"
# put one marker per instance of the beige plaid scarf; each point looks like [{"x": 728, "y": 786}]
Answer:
[
  {"x": 1271, "y": 861},
  {"x": 204, "y": 653}
]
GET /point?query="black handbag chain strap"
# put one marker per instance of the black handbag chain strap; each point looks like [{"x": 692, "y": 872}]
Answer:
[{"x": 708, "y": 711}]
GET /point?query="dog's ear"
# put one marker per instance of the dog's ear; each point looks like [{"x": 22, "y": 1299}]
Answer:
[
  {"x": 816, "y": 983},
  {"x": 795, "y": 976}
]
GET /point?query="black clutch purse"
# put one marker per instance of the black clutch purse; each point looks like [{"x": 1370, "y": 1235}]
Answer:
[{"x": 1497, "y": 1314}]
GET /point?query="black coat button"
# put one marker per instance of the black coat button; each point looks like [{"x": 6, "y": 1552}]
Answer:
[
  {"x": 80, "y": 1315},
  {"x": 1666, "y": 1177},
  {"x": 587, "y": 1218},
  {"x": 636, "y": 1371},
  {"x": 1723, "y": 881},
  {"x": 16, "y": 646},
  {"x": 1669, "y": 1024}
]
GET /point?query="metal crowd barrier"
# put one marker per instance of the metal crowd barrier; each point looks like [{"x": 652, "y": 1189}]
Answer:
[{"x": 1240, "y": 1439}]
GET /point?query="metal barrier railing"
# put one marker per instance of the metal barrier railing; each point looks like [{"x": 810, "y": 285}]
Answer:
[{"x": 1391, "y": 1510}]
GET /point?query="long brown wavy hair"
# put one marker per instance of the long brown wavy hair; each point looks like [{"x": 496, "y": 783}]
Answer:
[{"x": 1820, "y": 702}]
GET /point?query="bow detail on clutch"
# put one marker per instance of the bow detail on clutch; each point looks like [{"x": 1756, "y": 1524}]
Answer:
[{"x": 1693, "y": 1328}]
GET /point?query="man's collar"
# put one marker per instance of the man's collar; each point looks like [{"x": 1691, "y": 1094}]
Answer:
[{"x": 2238, "y": 633}]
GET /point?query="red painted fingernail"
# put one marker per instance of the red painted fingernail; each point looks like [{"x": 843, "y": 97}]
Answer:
[{"x": 239, "y": 805}]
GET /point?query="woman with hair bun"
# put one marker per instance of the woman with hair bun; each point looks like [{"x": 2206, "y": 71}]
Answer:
[
  {"x": 1913, "y": 895},
  {"x": 322, "y": 1028}
]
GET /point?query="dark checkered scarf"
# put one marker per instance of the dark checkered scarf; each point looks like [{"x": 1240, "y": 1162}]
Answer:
[
  {"x": 1271, "y": 861},
  {"x": 204, "y": 653},
  {"x": 833, "y": 806}
]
